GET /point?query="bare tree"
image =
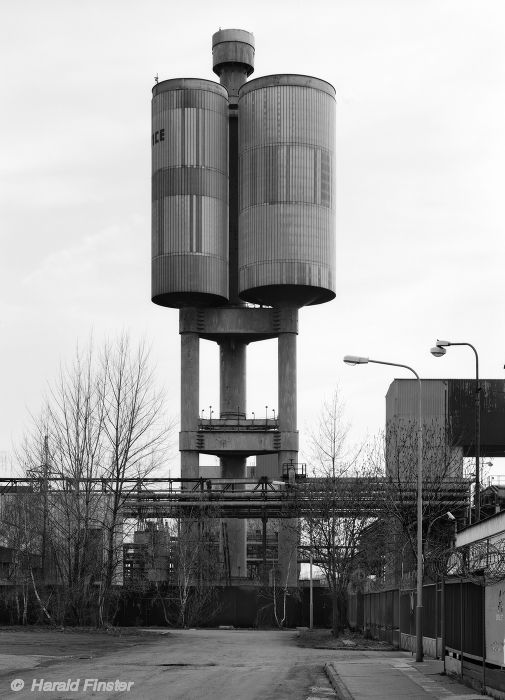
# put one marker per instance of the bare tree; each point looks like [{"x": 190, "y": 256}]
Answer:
[
  {"x": 363, "y": 503},
  {"x": 134, "y": 440},
  {"x": 20, "y": 528},
  {"x": 280, "y": 573},
  {"x": 68, "y": 437},
  {"x": 328, "y": 440},
  {"x": 197, "y": 566},
  {"x": 339, "y": 505},
  {"x": 102, "y": 424},
  {"x": 444, "y": 490}
]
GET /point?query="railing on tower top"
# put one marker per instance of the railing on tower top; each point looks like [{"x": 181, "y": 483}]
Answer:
[{"x": 235, "y": 421}]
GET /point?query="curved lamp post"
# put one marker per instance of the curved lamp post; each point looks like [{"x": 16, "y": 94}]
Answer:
[
  {"x": 356, "y": 360},
  {"x": 447, "y": 515},
  {"x": 438, "y": 351}
]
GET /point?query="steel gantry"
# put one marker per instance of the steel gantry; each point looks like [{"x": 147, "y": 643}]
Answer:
[{"x": 158, "y": 497}]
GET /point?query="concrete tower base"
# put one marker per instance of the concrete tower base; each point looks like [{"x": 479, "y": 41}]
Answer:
[{"x": 233, "y": 436}]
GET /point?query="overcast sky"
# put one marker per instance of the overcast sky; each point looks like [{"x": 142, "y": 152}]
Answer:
[{"x": 420, "y": 188}]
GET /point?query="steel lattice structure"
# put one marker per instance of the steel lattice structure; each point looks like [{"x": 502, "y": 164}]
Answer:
[{"x": 246, "y": 498}]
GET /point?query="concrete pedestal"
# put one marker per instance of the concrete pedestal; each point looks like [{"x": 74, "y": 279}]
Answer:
[
  {"x": 190, "y": 399},
  {"x": 286, "y": 356},
  {"x": 232, "y": 403}
]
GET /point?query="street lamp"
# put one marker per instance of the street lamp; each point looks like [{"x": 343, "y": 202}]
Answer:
[
  {"x": 448, "y": 515},
  {"x": 438, "y": 351},
  {"x": 357, "y": 360}
]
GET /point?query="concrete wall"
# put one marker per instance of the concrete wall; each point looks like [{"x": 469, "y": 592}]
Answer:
[
  {"x": 431, "y": 647},
  {"x": 495, "y": 623},
  {"x": 267, "y": 465},
  {"x": 492, "y": 527}
]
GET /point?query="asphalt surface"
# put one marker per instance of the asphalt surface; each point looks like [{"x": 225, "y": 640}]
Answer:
[
  {"x": 181, "y": 665},
  {"x": 395, "y": 676}
]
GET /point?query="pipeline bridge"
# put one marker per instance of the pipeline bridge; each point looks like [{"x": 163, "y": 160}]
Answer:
[{"x": 159, "y": 497}]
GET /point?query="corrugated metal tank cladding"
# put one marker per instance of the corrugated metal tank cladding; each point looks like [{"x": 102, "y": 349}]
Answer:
[
  {"x": 287, "y": 193},
  {"x": 189, "y": 193},
  {"x": 402, "y": 399}
]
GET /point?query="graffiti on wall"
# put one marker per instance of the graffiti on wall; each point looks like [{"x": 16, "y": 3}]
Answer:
[{"x": 495, "y": 624}]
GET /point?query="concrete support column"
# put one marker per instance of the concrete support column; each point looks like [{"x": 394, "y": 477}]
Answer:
[
  {"x": 232, "y": 400},
  {"x": 286, "y": 353},
  {"x": 288, "y": 529},
  {"x": 190, "y": 399},
  {"x": 232, "y": 357}
]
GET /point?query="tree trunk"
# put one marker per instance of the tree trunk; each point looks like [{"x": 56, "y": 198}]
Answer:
[
  {"x": 25, "y": 605},
  {"x": 334, "y": 613},
  {"x": 42, "y": 606}
]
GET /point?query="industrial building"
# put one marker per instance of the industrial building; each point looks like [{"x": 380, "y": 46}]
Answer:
[
  {"x": 449, "y": 434},
  {"x": 243, "y": 236}
]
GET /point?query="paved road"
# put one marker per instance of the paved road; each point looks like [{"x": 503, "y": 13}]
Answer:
[{"x": 186, "y": 665}]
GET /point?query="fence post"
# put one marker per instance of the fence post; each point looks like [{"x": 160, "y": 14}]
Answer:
[
  {"x": 461, "y": 623},
  {"x": 442, "y": 618},
  {"x": 436, "y": 617},
  {"x": 399, "y": 616},
  {"x": 484, "y": 632}
]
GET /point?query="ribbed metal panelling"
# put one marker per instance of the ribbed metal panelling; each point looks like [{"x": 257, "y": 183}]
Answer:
[
  {"x": 189, "y": 193},
  {"x": 402, "y": 398},
  {"x": 287, "y": 193}
]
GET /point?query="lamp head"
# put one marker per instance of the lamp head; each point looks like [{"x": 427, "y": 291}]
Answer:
[
  {"x": 450, "y": 516},
  {"x": 438, "y": 351},
  {"x": 443, "y": 343},
  {"x": 355, "y": 360}
]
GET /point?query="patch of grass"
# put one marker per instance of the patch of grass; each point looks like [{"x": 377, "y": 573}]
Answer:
[{"x": 323, "y": 639}]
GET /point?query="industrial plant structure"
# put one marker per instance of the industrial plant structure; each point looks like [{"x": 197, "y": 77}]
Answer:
[
  {"x": 243, "y": 235},
  {"x": 449, "y": 434}
]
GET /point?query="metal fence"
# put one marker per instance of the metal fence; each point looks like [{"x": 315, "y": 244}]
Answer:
[
  {"x": 453, "y": 625},
  {"x": 452, "y": 614}
]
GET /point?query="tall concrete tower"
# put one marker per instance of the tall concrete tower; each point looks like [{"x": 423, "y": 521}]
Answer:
[{"x": 243, "y": 235}]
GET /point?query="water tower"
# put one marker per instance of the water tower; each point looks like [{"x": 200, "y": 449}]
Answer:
[{"x": 243, "y": 235}]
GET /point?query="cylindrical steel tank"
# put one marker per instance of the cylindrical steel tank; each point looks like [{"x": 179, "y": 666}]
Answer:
[
  {"x": 287, "y": 197},
  {"x": 189, "y": 193}
]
